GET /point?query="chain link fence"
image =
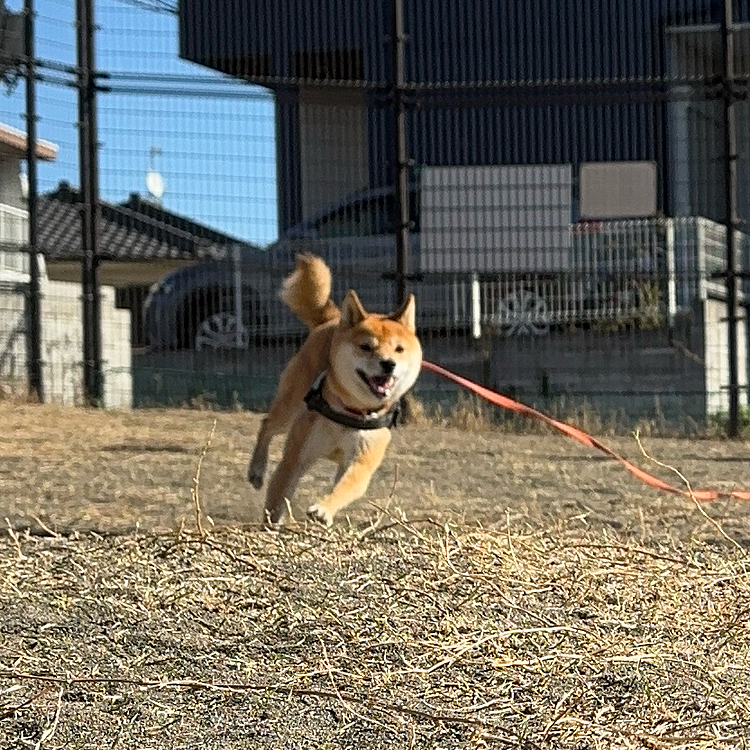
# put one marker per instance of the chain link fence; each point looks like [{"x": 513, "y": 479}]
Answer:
[{"x": 554, "y": 182}]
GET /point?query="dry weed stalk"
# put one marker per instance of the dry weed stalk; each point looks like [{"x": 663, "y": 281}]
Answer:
[
  {"x": 375, "y": 525},
  {"x": 195, "y": 489},
  {"x": 13, "y": 534},
  {"x": 49, "y": 732},
  {"x": 691, "y": 494}
]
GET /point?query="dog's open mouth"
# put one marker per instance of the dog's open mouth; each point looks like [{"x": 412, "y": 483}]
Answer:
[{"x": 380, "y": 385}]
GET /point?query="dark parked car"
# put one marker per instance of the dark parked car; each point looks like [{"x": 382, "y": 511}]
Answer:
[
  {"x": 615, "y": 269},
  {"x": 216, "y": 304},
  {"x": 228, "y": 303}
]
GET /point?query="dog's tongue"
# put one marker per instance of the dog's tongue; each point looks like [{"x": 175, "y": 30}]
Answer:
[{"x": 381, "y": 383}]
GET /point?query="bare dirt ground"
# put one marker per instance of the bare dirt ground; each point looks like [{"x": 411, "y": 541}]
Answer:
[{"x": 493, "y": 590}]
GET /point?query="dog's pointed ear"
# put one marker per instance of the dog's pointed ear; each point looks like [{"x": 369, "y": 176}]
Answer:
[
  {"x": 407, "y": 315},
  {"x": 352, "y": 312}
]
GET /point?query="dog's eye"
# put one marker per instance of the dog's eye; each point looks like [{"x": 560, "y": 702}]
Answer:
[
  {"x": 366, "y": 348},
  {"x": 399, "y": 349}
]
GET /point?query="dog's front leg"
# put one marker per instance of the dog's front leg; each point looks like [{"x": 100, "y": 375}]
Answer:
[
  {"x": 355, "y": 477},
  {"x": 304, "y": 445}
]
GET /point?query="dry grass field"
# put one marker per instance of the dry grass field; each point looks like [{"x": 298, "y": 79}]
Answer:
[{"x": 493, "y": 590}]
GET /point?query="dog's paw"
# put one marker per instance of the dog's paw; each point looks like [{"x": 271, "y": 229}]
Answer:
[
  {"x": 320, "y": 514},
  {"x": 255, "y": 478}
]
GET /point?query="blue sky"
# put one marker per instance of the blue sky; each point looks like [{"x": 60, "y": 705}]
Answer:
[{"x": 216, "y": 136}]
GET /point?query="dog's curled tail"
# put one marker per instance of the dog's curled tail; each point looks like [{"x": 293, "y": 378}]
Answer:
[{"x": 307, "y": 291}]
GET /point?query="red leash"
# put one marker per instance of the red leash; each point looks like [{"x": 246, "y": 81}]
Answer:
[{"x": 582, "y": 437}]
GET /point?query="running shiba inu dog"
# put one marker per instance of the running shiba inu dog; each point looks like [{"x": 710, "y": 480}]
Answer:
[{"x": 338, "y": 396}]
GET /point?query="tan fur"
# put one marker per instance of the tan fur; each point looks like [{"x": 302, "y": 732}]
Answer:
[
  {"x": 307, "y": 291},
  {"x": 334, "y": 345}
]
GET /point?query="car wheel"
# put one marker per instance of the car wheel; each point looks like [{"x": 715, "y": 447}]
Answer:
[
  {"x": 521, "y": 313},
  {"x": 221, "y": 331}
]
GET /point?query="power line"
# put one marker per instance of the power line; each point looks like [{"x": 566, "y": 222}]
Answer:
[{"x": 156, "y": 6}]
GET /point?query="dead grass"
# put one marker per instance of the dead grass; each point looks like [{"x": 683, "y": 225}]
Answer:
[
  {"x": 472, "y": 413},
  {"x": 496, "y": 592},
  {"x": 421, "y": 634}
]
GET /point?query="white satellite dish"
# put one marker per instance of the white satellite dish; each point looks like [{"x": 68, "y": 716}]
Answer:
[
  {"x": 155, "y": 184},
  {"x": 154, "y": 181}
]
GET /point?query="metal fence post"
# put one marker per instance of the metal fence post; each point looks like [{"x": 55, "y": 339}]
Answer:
[
  {"x": 35, "y": 365},
  {"x": 89, "y": 177},
  {"x": 400, "y": 156},
  {"x": 400, "y": 167},
  {"x": 730, "y": 218}
]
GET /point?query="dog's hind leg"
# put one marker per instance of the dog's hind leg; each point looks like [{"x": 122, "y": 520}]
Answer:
[
  {"x": 276, "y": 422},
  {"x": 295, "y": 381},
  {"x": 287, "y": 404}
]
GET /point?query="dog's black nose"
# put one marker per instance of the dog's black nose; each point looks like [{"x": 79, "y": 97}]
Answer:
[{"x": 387, "y": 366}]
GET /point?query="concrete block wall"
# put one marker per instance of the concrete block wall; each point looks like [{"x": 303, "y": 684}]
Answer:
[
  {"x": 682, "y": 373},
  {"x": 13, "y": 344},
  {"x": 637, "y": 374},
  {"x": 62, "y": 343},
  {"x": 716, "y": 348}
]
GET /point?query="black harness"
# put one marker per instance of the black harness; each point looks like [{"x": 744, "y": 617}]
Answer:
[{"x": 315, "y": 402}]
